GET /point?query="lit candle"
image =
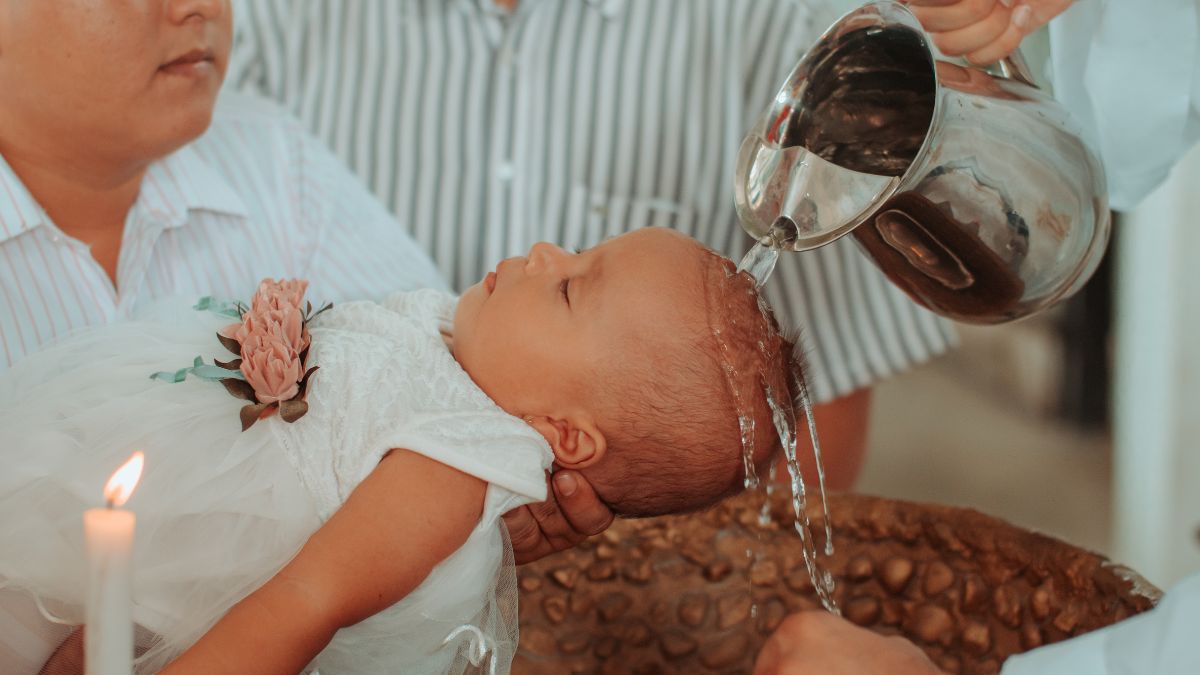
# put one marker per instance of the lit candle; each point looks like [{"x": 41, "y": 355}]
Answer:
[{"x": 108, "y": 638}]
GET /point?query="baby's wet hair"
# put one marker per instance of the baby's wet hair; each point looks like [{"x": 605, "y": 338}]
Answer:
[{"x": 674, "y": 439}]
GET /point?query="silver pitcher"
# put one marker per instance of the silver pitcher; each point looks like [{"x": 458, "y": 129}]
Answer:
[{"x": 971, "y": 189}]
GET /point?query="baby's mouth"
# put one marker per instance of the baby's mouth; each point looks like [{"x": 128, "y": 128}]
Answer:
[{"x": 489, "y": 282}]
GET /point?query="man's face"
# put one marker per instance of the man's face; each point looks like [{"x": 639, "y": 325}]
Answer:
[
  {"x": 536, "y": 333},
  {"x": 130, "y": 78}
]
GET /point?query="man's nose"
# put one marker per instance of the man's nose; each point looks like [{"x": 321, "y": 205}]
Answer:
[{"x": 179, "y": 11}]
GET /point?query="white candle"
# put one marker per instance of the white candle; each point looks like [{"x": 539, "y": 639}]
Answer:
[{"x": 108, "y": 637}]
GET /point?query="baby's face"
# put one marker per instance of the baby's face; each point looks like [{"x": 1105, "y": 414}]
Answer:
[{"x": 536, "y": 333}]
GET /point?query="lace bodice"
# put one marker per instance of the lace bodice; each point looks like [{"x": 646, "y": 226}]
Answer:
[{"x": 387, "y": 380}]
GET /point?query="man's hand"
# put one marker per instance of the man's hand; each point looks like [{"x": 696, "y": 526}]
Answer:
[
  {"x": 571, "y": 514},
  {"x": 819, "y": 643},
  {"x": 984, "y": 31}
]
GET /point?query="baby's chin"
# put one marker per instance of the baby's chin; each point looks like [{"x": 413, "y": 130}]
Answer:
[{"x": 466, "y": 309}]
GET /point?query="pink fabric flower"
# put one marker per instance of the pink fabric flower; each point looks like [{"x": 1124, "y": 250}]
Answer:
[
  {"x": 231, "y": 331},
  {"x": 273, "y": 294},
  {"x": 287, "y": 324},
  {"x": 271, "y": 367}
]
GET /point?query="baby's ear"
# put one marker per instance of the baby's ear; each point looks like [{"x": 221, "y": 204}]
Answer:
[{"x": 577, "y": 444}]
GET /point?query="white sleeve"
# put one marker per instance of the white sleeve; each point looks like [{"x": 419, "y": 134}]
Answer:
[
  {"x": 1163, "y": 641},
  {"x": 1130, "y": 74}
]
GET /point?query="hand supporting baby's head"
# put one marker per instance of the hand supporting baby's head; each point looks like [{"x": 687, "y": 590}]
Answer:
[{"x": 634, "y": 359}]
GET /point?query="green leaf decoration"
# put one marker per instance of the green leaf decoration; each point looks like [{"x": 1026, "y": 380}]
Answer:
[
  {"x": 219, "y": 307},
  {"x": 240, "y": 389},
  {"x": 250, "y": 413},
  {"x": 292, "y": 410},
  {"x": 235, "y": 364},
  {"x": 174, "y": 378},
  {"x": 212, "y": 373},
  {"x": 201, "y": 370},
  {"x": 230, "y": 344}
]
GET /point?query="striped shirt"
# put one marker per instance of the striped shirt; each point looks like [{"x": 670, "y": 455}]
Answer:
[
  {"x": 255, "y": 196},
  {"x": 486, "y": 130}
]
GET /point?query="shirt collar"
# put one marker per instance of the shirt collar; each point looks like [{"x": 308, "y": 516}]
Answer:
[
  {"x": 19, "y": 211},
  {"x": 185, "y": 181},
  {"x": 172, "y": 186}
]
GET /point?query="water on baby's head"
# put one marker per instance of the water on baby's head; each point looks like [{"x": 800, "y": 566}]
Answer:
[
  {"x": 785, "y": 426},
  {"x": 746, "y": 381}
]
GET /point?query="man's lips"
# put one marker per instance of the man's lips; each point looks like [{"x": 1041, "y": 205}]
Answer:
[{"x": 189, "y": 62}]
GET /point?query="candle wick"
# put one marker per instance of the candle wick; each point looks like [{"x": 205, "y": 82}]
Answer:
[{"x": 109, "y": 503}]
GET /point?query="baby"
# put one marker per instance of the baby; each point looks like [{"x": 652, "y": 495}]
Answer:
[{"x": 366, "y": 536}]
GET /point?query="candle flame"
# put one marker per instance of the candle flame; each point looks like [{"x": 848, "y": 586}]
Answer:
[{"x": 124, "y": 480}]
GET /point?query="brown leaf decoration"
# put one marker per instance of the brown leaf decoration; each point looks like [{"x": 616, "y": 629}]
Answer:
[
  {"x": 292, "y": 410},
  {"x": 235, "y": 364},
  {"x": 312, "y": 315},
  {"x": 230, "y": 344},
  {"x": 240, "y": 389},
  {"x": 304, "y": 383},
  {"x": 252, "y": 413}
]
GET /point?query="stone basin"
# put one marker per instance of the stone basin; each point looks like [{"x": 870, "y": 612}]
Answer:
[{"x": 680, "y": 594}]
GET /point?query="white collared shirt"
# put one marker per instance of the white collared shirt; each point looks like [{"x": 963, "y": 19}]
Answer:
[
  {"x": 569, "y": 121},
  {"x": 255, "y": 196}
]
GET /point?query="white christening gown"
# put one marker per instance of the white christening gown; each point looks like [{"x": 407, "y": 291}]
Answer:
[{"x": 219, "y": 510}]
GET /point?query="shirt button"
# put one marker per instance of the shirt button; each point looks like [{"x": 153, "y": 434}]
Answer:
[{"x": 56, "y": 239}]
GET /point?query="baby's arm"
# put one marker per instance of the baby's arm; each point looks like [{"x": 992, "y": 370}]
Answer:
[{"x": 407, "y": 516}]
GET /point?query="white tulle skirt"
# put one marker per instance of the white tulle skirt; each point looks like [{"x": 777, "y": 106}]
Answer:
[{"x": 219, "y": 510}]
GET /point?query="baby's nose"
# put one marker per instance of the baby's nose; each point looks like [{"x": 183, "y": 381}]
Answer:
[{"x": 544, "y": 255}]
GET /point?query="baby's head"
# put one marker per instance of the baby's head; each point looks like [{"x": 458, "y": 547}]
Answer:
[{"x": 633, "y": 360}]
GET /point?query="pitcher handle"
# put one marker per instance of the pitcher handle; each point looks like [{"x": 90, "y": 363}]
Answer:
[{"x": 1014, "y": 67}]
